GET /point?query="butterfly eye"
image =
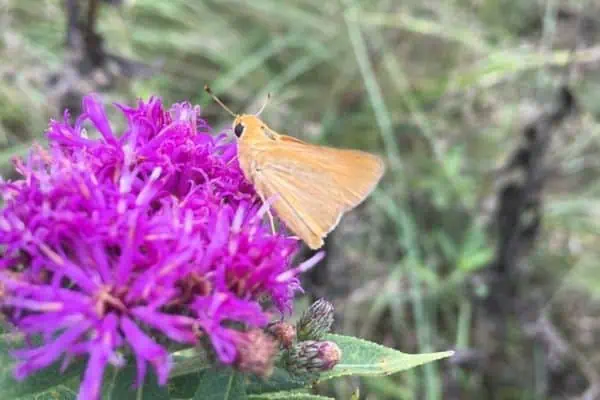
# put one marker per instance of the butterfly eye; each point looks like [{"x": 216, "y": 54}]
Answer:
[{"x": 238, "y": 130}]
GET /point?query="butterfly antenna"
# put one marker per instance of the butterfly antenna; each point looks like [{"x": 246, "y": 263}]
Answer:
[
  {"x": 264, "y": 104},
  {"x": 219, "y": 102}
]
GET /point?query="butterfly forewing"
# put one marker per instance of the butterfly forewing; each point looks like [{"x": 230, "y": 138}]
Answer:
[{"x": 312, "y": 186}]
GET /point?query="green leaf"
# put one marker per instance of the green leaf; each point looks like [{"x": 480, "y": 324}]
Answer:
[
  {"x": 184, "y": 386},
  {"x": 279, "y": 381},
  {"x": 364, "y": 358},
  {"x": 189, "y": 362},
  {"x": 287, "y": 395},
  {"x": 123, "y": 386},
  {"x": 187, "y": 369},
  {"x": 221, "y": 384},
  {"x": 39, "y": 382},
  {"x": 57, "y": 393}
]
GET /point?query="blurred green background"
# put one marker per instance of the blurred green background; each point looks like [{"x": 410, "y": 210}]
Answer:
[{"x": 444, "y": 91}]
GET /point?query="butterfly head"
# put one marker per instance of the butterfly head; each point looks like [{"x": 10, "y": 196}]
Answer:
[{"x": 246, "y": 123}]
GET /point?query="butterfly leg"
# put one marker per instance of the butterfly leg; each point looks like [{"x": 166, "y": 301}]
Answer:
[
  {"x": 231, "y": 161},
  {"x": 271, "y": 221},
  {"x": 269, "y": 213},
  {"x": 262, "y": 198}
]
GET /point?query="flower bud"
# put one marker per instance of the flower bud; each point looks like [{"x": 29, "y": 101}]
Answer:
[
  {"x": 312, "y": 356},
  {"x": 256, "y": 352},
  {"x": 316, "y": 321},
  {"x": 283, "y": 332}
]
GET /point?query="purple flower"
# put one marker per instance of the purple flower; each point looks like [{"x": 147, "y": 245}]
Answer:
[
  {"x": 109, "y": 243},
  {"x": 213, "y": 310}
]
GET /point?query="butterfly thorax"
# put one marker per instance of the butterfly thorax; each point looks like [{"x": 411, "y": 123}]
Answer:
[{"x": 254, "y": 137}]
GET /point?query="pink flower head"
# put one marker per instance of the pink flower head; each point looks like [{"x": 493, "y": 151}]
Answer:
[{"x": 109, "y": 242}]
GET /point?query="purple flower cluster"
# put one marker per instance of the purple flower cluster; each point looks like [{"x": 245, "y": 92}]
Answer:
[{"x": 109, "y": 243}]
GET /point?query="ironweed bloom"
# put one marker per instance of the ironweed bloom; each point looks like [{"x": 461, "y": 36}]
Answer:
[
  {"x": 312, "y": 356},
  {"x": 109, "y": 242},
  {"x": 283, "y": 332},
  {"x": 316, "y": 321}
]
